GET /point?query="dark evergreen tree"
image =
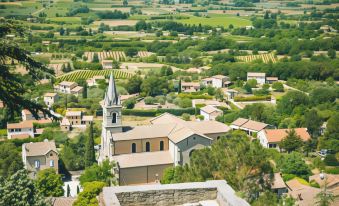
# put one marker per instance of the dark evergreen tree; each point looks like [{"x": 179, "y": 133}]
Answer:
[
  {"x": 68, "y": 191},
  {"x": 89, "y": 149}
]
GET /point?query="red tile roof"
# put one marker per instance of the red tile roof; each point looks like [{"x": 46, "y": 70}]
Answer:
[{"x": 276, "y": 135}]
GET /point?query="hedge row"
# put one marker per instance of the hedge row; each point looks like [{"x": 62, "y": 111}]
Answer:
[
  {"x": 194, "y": 96},
  {"x": 252, "y": 98},
  {"x": 155, "y": 112}
]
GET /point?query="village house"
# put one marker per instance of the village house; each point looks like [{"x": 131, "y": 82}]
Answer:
[
  {"x": 167, "y": 141},
  {"x": 68, "y": 88},
  {"x": 75, "y": 119},
  {"x": 20, "y": 130},
  {"x": 270, "y": 138},
  {"x": 217, "y": 81},
  {"x": 93, "y": 81},
  {"x": 303, "y": 194},
  {"x": 38, "y": 156},
  {"x": 190, "y": 86},
  {"x": 260, "y": 77},
  {"x": 230, "y": 93},
  {"x": 107, "y": 64},
  {"x": 50, "y": 98},
  {"x": 210, "y": 112},
  {"x": 27, "y": 115},
  {"x": 249, "y": 126},
  {"x": 271, "y": 80}
]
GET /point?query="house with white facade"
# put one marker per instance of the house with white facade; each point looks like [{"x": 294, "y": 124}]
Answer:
[
  {"x": 217, "y": 81},
  {"x": 249, "y": 126},
  {"x": 68, "y": 88},
  {"x": 50, "y": 98},
  {"x": 20, "y": 130},
  {"x": 168, "y": 141},
  {"x": 210, "y": 112},
  {"x": 270, "y": 138},
  {"x": 259, "y": 76}
]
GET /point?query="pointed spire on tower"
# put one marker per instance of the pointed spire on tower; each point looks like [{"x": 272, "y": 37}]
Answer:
[{"x": 112, "y": 96}]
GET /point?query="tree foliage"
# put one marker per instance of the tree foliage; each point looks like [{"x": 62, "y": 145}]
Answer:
[
  {"x": 101, "y": 172},
  {"x": 245, "y": 172},
  {"x": 49, "y": 183},
  {"x": 291, "y": 142},
  {"x": 294, "y": 164},
  {"x": 89, "y": 148},
  {"x": 88, "y": 196},
  {"x": 11, "y": 88},
  {"x": 10, "y": 160},
  {"x": 19, "y": 189}
]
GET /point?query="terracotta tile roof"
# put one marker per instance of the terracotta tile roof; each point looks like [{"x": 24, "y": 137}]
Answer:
[
  {"x": 63, "y": 201},
  {"x": 221, "y": 77},
  {"x": 272, "y": 78},
  {"x": 77, "y": 89},
  {"x": 143, "y": 159},
  {"x": 191, "y": 84},
  {"x": 331, "y": 179},
  {"x": 20, "y": 136},
  {"x": 276, "y": 135},
  {"x": 20, "y": 125},
  {"x": 239, "y": 122},
  {"x": 305, "y": 195},
  {"x": 254, "y": 125},
  {"x": 66, "y": 83},
  {"x": 49, "y": 94},
  {"x": 278, "y": 182},
  {"x": 73, "y": 113},
  {"x": 256, "y": 74},
  {"x": 210, "y": 109},
  {"x": 39, "y": 148}
]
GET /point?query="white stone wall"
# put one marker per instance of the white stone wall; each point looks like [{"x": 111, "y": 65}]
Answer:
[{"x": 28, "y": 131}]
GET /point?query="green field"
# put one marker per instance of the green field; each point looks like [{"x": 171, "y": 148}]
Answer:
[
  {"x": 87, "y": 74},
  {"x": 216, "y": 20}
]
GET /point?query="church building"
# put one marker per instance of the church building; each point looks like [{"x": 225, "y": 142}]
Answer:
[{"x": 143, "y": 152}]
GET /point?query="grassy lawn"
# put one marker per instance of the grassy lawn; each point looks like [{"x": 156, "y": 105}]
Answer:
[
  {"x": 71, "y": 20},
  {"x": 216, "y": 20}
]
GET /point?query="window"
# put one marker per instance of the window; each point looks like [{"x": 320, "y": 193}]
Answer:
[
  {"x": 134, "y": 148},
  {"x": 161, "y": 145},
  {"x": 37, "y": 164},
  {"x": 51, "y": 163},
  {"x": 148, "y": 147},
  {"x": 51, "y": 154},
  {"x": 114, "y": 118}
]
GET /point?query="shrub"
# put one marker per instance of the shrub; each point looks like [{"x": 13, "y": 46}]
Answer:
[
  {"x": 186, "y": 117},
  {"x": 313, "y": 183},
  {"x": 332, "y": 170},
  {"x": 331, "y": 160},
  {"x": 201, "y": 117},
  {"x": 149, "y": 100},
  {"x": 252, "y": 98},
  {"x": 287, "y": 177},
  {"x": 129, "y": 103}
]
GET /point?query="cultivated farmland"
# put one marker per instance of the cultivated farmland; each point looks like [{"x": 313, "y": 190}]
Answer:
[
  {"x": 87, "y": 74},
  {"x": 266, "y": 58},
  {"x": 144, "y": 54},
  {"x": 116, "y": 55}
]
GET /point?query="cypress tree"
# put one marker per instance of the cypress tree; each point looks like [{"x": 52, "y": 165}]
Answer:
[
  {"x": 84, "y": 91},
  {"x": 89, "y": 152},
  {"x": 68, "y": 191},
  {"x": 78, "y": 189}
]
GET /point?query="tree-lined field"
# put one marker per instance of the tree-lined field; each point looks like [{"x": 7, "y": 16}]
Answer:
[
  {"x": 266, "y": 58},
  {"x": 87, "y": 74}
]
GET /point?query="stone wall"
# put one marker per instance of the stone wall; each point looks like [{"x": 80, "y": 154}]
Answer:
[{"x": 166, "y": 197}]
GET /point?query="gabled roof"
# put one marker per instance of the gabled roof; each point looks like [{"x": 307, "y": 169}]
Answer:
[
  {"x": 239, "y": 122},
  {"x": 77, "y": 89},
  {"x": 39, "y": 148},
  {"x": 276, "y": 135},
  {"x": 219, "y": 76},
  {"x": 249, "y": 124},
  {"x": 66, "y": 83},
  {"x": 50, "y": 94},
  {"x": 73, "y": 113},
  {"x": 278, "y": 182},
  {"x": 210, "y": 109},
  {"x": 256, "y": 74},
  {"x": 20, "y": 125}
]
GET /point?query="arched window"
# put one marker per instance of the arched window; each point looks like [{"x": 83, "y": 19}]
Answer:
[
  {"x": 134, "y": 148},
  {"x": 148, "y": 147},
  {"x": 191, "y": 152},
  {"x": 114, "y": 117},
  {"x": 161, "y": 145}
]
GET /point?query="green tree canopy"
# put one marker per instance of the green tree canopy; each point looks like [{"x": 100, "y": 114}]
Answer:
[
  {"x": 89, "y": 148},
  {"x": 291, "y": 100},
  {"x": 10, "y": 160},
  {"x": 245, "y": 172},
  {"x": 291, "y": 142},
  {"x": 88, "y": 197},
  {"x": 101, "y": 172},
  {"x": 19, "y": 189},
  {"x": 12, "y": 89},
  {"x": 293, "y": 163},
  {"x": 49, "y": 183}
]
